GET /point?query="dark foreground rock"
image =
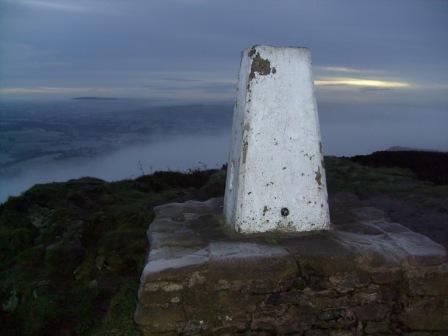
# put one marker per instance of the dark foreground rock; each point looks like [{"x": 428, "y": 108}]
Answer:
[{"x": 370, "y": 277}]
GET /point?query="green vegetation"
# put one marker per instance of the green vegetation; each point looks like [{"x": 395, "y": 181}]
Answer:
[
  {"x": 71, "y": 253},
  {"x": 345, "y": 175}
]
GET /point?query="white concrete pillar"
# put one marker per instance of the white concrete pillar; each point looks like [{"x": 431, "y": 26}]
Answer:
[{"x": 275, "y": 175}]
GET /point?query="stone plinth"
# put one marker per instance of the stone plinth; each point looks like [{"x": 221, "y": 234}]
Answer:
[
  {"x": 366, "y": 278},
  {"x": 276, "y": 178}
]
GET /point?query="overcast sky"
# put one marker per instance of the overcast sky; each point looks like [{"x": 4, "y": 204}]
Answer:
[{"x": 189, "y": 50}]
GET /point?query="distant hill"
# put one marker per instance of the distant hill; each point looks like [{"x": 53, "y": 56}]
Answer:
[
  {"x": 410, "y": 149},
  {"x": 95, "y": 98},
  {"x": 426, "y": 165}
]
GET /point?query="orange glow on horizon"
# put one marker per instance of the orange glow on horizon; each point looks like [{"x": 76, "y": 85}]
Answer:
[{"x": 360, "y": 82}]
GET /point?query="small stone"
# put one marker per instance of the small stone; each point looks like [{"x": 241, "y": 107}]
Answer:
[
  {"x": 376, "y": 327},
  {"x": 175, "y": 299},
  {"x": 344, "y": 283},
  {"x": 196, "y": 279},
  {"x": 372, "y": 312},
  {"x": 163, "y": 285},
  {"x": 331, "y": 314},
  {"x": 222, "y": 284},
  {"x": 341, "y": 333},
  {"x": 391, "y": 275}
]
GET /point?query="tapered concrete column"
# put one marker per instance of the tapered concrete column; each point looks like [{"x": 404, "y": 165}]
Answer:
[{"x": 275, "y": 177}]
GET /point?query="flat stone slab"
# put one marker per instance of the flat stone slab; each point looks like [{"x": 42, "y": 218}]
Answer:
[{"x": 368, "y": 277}]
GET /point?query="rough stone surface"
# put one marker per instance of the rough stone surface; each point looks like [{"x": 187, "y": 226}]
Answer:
[
  {"x": 276, "y": 144},
  {"x": 369, "y": 277}
]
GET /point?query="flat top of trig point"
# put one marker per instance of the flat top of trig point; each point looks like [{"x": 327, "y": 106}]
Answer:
[
  {"x": 300, "y": 52},
  {"x": 266, "y": 46}
]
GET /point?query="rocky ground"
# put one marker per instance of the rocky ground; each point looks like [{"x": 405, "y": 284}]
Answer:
[{"x": 71, "y": 253}]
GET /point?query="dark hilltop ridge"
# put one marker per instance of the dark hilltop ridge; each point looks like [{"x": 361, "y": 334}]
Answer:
[
  {"x": 71, "y": 253},
  {"x": 426, "y": 165},
  {"x": 411, "y": 149}
]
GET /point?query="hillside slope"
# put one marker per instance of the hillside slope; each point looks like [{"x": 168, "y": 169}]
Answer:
[{"x": 71, "y": 253}]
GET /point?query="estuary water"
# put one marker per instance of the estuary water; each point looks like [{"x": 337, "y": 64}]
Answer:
[{"x": 173, "y": 153}]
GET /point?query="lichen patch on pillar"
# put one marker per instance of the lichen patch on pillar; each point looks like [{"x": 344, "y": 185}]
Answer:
[
  {"x": 318, "y": 176},
  {"x": 259, "y": 65}
]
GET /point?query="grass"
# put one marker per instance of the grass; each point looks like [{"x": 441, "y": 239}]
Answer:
[{"x": 345, "y": 175}]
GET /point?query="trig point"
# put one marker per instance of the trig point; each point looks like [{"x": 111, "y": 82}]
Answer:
[
  {"x": 275, "y": 175},
  {"x": 366, "y": 277}
]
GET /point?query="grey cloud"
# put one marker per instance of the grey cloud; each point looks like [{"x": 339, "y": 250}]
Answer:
[{"x": 117, "y": 43}]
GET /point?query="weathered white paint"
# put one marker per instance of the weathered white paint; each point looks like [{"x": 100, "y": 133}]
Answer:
[{"x": 276, "y": 159}]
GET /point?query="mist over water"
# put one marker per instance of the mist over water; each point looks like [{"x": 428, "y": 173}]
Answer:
[
  {"x": 112, "y": 140},
  {"x": 42, "y": 143},
  {"x": 176, "y": 153},
  {"x": 352, "y": 129}
]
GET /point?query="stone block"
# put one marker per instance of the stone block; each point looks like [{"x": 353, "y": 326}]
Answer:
[{"x": 362, "y": 279}]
